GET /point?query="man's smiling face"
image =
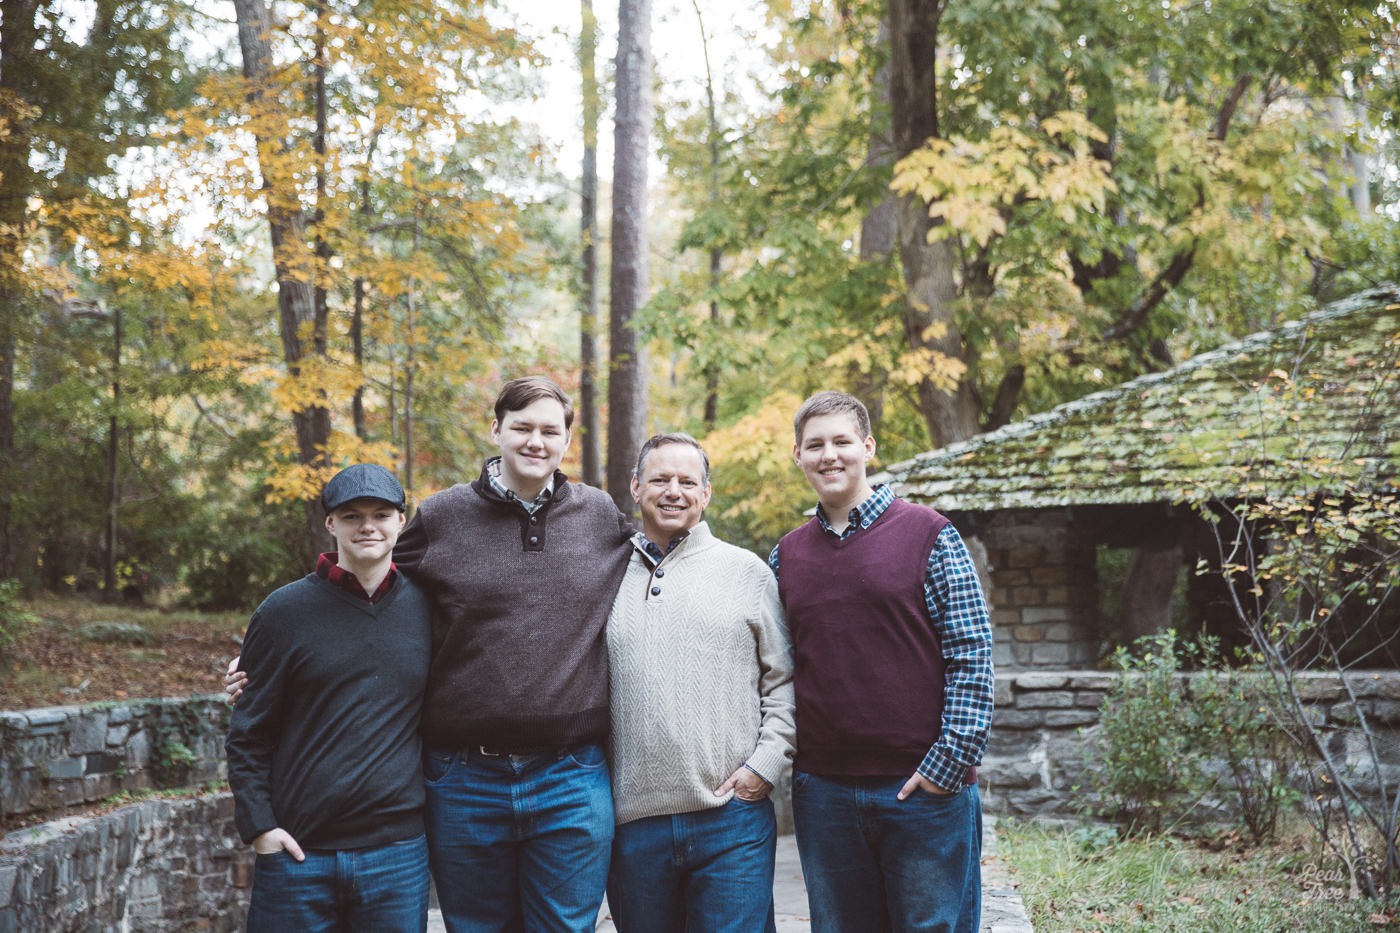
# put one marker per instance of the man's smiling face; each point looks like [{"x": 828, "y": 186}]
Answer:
[{"x": 672, "y": 492}]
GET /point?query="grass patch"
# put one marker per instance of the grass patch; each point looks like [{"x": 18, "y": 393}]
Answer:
[{"x": 1076, "y": 881}]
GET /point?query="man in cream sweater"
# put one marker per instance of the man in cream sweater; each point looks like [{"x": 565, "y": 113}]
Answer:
[{"x": 702, "y": 712}]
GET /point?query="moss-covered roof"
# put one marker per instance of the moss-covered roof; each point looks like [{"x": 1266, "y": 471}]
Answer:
[{"x": 1314, "y": 404}]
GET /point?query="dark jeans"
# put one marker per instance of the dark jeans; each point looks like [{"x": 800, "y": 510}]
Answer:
[
  {"x": 710, "y": 871},
  {"x": 383, "y": 889},
  {"x": 519, "y": 842},
  {"x": 876, "y": 863}
]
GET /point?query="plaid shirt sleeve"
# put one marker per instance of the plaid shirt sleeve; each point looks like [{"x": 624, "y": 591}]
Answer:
[{"x": 958, "y": 611}]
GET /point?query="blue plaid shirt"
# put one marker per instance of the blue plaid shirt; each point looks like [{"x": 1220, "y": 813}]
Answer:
[
  {"x": 493, "y": 476},
  {"x": 958, "y": 612},
  {"x": 653, "y": 551}
]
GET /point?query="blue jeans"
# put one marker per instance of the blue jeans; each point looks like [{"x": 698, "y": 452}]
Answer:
[
  {"x": 382, "y": 889},
  {"x": 876, "y": 863},
  {"x": 519, "y": 842},
  {"x": 709, "y": 871}
]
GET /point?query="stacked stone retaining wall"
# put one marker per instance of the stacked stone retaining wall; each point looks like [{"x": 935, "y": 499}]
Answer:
[
  {"x": 1045, "y": 734},
  {"x": 160, "y": 865},
  {"x": 157, "y": 866},
  {"x": 69, "y": 756}
]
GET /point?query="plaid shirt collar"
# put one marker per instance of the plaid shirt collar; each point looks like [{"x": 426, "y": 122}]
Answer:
[
  {"x": 651, "y": 550},
  {"x": 863, "y": 515},
  {"x": 327, "y": 569},
  {"x": 493, "y": 476}
]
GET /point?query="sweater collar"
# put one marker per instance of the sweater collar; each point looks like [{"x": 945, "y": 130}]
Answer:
[
  {"x": 693, "y": 540},
  {"x": 330, "y": 571},
  {"x": 490, "y": 487}
]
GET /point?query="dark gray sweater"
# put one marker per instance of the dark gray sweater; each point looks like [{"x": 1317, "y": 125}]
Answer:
[
  {"x": 324, "y": 741},
  {"x": 519, "y": 606}
]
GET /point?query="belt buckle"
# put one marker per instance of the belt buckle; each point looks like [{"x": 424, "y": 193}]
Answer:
[{"x": 489, "y": 753}]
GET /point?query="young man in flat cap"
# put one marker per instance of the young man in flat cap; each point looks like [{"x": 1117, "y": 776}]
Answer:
[{"x": 323, "y": 751}]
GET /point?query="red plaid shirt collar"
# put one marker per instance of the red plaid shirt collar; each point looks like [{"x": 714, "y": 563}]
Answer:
[{"x": 327, "y": 569}]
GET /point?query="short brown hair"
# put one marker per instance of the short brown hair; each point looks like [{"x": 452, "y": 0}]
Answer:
[
  {"x": 831, "y": 402},
  {"x": 661, "y": 440},
  {"x": 525, "y": 391}
]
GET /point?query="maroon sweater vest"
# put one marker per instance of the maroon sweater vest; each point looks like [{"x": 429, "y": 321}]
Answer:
[{"x": 868, "y": 666}]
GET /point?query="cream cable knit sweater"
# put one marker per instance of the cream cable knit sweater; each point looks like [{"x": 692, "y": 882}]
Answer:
[{"x": 701, "y": 677}]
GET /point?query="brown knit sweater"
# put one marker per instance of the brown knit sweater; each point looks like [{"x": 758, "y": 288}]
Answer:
[{"x": 519, "y": 608}]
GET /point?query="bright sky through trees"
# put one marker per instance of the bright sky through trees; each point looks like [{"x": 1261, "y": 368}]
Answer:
[{"x": 737, "y": 34}]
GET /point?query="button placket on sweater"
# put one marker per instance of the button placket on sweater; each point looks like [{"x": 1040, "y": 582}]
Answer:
[{"x": 658, "y": 572}]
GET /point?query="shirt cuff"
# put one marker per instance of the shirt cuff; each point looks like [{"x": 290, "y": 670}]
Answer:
[{"x": 943, "y": 771}]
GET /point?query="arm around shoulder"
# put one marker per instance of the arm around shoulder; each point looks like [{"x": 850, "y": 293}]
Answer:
[{"x": 412, "y": 546}]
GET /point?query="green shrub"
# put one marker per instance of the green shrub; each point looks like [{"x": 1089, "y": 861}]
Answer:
[
  {"x": 1234, "y": 717},
  {"x": 1144, "y": 776},
  {"x": 1174, "y": 749},
  {"x": 171, "y": 768},
  {"x": 231, "y": 572}
]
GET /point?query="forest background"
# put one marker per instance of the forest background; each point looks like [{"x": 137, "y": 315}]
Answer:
[{"x": 245, "y": 243}]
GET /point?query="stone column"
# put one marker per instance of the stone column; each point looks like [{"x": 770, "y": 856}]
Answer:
[{"x": 1043, "y": 594}]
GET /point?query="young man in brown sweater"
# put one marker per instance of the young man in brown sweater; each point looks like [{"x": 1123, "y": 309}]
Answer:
[{"x": 521, "y": 567}]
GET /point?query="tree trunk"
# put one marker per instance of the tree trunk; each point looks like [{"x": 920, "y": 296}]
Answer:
[
  {"x": 303, "y": 326},
  {"x": 357, "y": 319},
  {"x": 1350, "y": 116},
  {"x": 627, "y": 367},
  {"x": 7, "y": 432},
  {"x": 589, "y": 431},
  {"x": 357, "y": 346},
  {"x": 113, "y": 490},
  {"x": 929, "y": 268},
  {"x": 410, "y": 366},
  {"x": 18, "y": 38},
  {"x": 879, "y": 230},
  {"x": 711, "y": 414},
  {"x": 1147, "y": 591},
  {"x": 318, "y": 145}
]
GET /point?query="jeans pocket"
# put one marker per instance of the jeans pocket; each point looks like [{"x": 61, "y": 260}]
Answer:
[
  {"x": 937, "y": 798},
  {"x": 799, "y": 779},
  {"x": 589, "y": 757},
  {"x": 437, "y": 764}
]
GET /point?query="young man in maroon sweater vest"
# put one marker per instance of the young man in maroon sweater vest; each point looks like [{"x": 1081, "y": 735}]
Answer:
[{"x": 893, "y": 677}]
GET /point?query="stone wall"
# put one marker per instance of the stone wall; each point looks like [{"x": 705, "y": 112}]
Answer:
[
  {"x": 1042, "y": 737},
  {"x": 67, "y": 756},
  {"x": 1038, "y": 571},
  {"x": 153, "y": 866},
  {"x": 1045, "y": 728},
  {"x": 163, "y": 865}
]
